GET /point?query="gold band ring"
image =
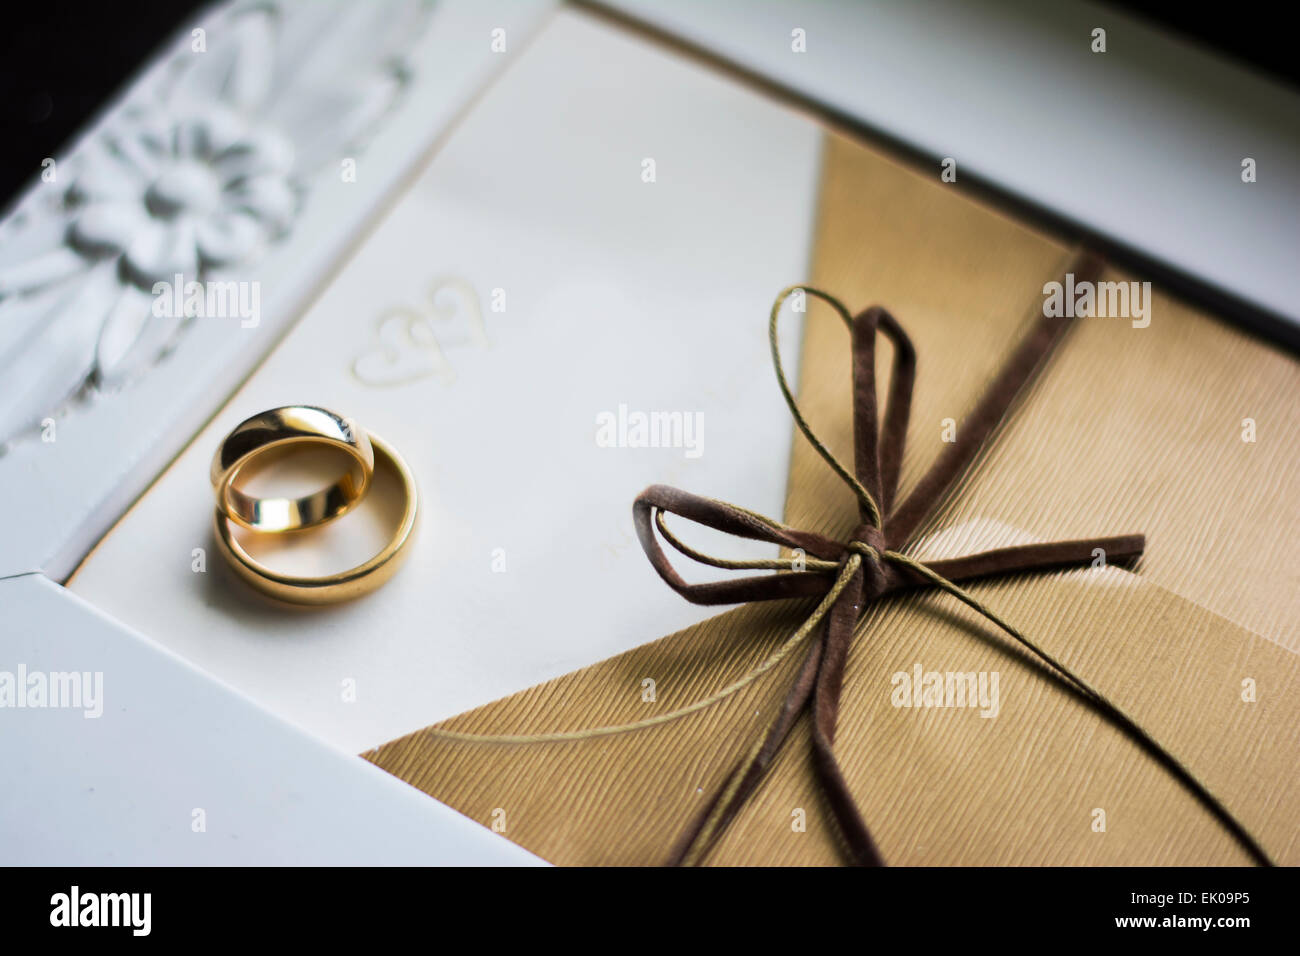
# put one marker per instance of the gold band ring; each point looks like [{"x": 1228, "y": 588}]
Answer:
[
  {"x": 279, "y": 427},
  {"x": 331, "y": 588}
]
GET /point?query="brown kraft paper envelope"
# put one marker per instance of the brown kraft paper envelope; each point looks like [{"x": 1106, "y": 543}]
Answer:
[{"x": 1126, "y": 430}]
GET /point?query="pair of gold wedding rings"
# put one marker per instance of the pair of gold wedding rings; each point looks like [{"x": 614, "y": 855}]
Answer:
[{"x": 257, "y": 440}]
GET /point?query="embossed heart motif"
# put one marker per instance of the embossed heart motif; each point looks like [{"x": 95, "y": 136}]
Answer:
[
  {"x": 451, "y": 299},
  {"x": 408, "y": 347},
  {"x": 407, "y": 352}
]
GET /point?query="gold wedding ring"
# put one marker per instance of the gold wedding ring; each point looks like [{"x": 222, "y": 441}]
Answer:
[
  {"x": 293, "y": 424},
  {"x": 263, "y": 434}
]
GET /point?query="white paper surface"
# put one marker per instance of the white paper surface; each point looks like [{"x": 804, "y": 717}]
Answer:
[
  {"x": 171, "y": 768},
  {"x": 617, "y": 291}
]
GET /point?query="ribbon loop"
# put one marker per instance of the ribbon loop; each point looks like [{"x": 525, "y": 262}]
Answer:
[
  {"x": 647, "y": 513},
  {"x": 866, "y": 501},
  {"x": 878, "y": 448}
]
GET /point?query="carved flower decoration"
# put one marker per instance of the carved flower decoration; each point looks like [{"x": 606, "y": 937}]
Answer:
[
  {"x": 205, "y": 167},
  {"x": 176, "y": 197}
]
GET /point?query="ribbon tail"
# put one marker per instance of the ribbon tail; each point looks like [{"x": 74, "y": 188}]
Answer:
[
  {"x": 741, "y": 783},
  {"x": 991, "y": 409},
  {"x": 861, "y": 847}
]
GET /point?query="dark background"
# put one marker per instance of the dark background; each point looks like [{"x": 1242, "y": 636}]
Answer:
[{"x": 60, "y": 60}]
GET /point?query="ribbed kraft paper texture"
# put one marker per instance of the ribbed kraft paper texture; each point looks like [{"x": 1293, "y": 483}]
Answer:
[{"x": 1127, "y": 430}]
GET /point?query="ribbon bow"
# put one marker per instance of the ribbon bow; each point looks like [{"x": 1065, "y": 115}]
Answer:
[{"x": 848, "y": 575}]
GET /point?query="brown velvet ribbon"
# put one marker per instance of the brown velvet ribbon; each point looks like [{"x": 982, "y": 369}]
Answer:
[{"x": 887, "y": 525}]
